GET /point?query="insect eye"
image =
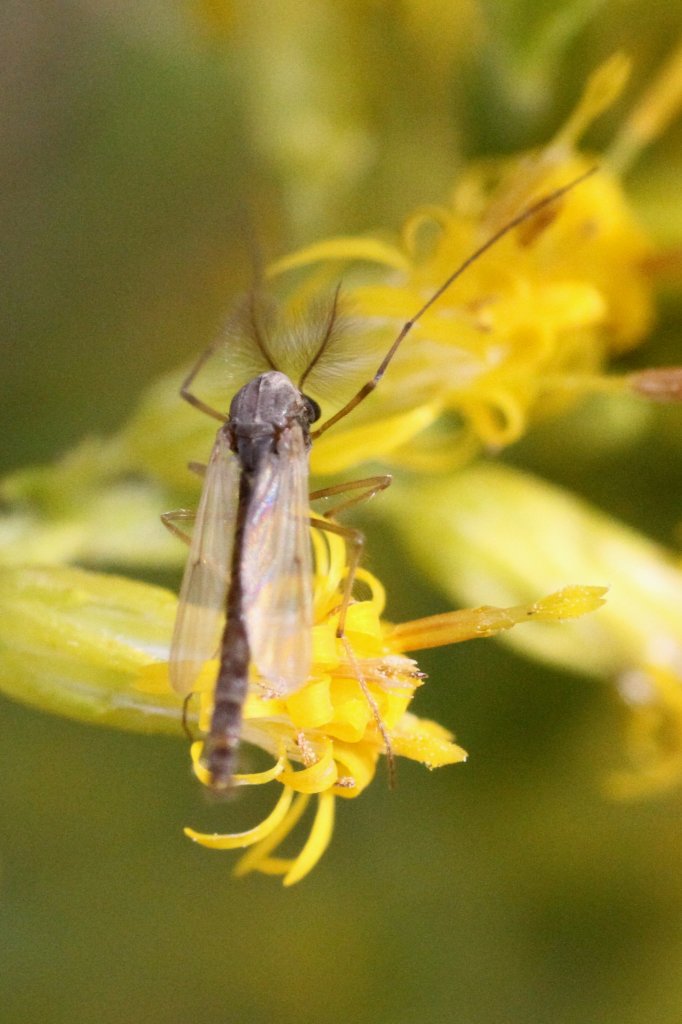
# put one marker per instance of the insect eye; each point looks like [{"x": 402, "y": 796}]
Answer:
[{"x": 313, "y": 409}]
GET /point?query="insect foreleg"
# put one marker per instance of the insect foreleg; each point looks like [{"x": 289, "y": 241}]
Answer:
[{"x": 192, "y": 398}]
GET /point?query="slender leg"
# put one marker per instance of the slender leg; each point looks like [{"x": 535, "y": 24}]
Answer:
[
  {"x": 370, "y": 485},
  {"x": 180, "y": 515},
  {"x": 185, "y": 713},
  {"x": 198, "y": 468},
  {"x": 357, "y": 672},
  {"x": 192, "y": 398},
  {"x": 355, "y": 540},
  {"x": 355, "y": 545}
]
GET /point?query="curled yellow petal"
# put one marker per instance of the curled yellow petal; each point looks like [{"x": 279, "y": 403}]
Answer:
[
  {"x": 316, "y": 843},
  {"x": 234, "y": 840},
  {"x": 369, "y": 249},
  {"x": 312, "y": 705},
  {"x": 257, "y": 858},
  {"x": 358, "y": 763},
  {"x": 316, "y": 777}
]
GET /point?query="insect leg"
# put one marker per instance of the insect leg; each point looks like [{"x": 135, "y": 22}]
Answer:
[
  {"x": 355, "y": 539},
  {"x": 357, "y": 672},
  {"x": 192, "y": 398},
  {"x": 355, "y": 542},
  {"x": 185, "y": 718},
  {"x": 355, "y": 545},
  {"x": 369, "y": 486},
  {"x": 180, "y": 515}
]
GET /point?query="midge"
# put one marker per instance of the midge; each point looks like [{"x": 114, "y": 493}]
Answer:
[{"x": 246, "y": 596}]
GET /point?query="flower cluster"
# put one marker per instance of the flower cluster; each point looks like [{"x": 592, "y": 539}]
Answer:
[
  {"x": 95, "y": 647},
  {"x": 528, "y": 331}
]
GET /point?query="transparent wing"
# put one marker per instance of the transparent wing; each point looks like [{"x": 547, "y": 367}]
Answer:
[
  {"x": 277, "y": 567},
  {"x": 201, "y": 608}
]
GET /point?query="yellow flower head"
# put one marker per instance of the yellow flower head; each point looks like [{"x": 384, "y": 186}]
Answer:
[
  {"x": 95, "y": 647},
  {"x": 528, "y": 327},
  {"x": 328, "y": 736},
  {"x": 525, "y": 332}
]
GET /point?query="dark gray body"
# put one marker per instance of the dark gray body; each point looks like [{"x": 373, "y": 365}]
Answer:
[{"x": 262, "y": 416}]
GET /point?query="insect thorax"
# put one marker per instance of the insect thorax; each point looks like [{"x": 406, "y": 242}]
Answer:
[{"x": 268, "y": 404}]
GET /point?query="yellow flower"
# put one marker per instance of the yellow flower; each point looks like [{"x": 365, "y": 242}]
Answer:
[
  {"x": 653, "y": 732},
  {"x": 525, "y": 331},
  {"x": 528, "y": 329},
  {"x": 506, "y": 535},
  {"x": 354, "y": 704},
  {"x": 95, "y": 648}
]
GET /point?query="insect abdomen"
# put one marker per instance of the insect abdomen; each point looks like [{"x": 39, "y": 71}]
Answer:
[{"x": 222, "y": 742}]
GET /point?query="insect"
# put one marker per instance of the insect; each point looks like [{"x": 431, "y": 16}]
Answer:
[{"x": 246, "y": 594}]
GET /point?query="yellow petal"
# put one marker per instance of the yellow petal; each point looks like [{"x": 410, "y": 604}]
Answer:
[
  {"x": 235, "y": 840},
  {"x": 316, "y": 777},
  {"x": 344, "y": 249},
  {"x": 316, "y": 843},
  {"x": 311, "y": 706},
  {"x": 257, "y": 858},
  {"x": 425, "y": 741},
  {"x": 343, "y": 448}
]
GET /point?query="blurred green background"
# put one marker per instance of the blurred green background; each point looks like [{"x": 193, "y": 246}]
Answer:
[{"x": 145, "y": 143}]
